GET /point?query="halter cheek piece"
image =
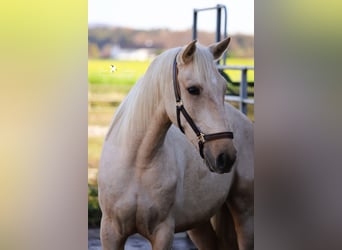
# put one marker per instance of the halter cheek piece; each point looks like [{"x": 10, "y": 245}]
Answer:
[{"x": 201, "y": 137}]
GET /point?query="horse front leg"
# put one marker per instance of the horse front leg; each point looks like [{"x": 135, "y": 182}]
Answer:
[
  {"x": 203, "y": 236},
  {"x": 242, "y": 210},
  {"x": 111, "y": 239},
  {"x": 224, "y": 227},
  {"x": 162, "y": 236}
]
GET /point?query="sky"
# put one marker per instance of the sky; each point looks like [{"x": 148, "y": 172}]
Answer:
[{"x": 171, "y": 14}]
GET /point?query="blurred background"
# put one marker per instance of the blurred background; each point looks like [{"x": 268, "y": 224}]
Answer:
[
  {"x": 125, "y": 36},
  {"x": 44, "y": 126}
]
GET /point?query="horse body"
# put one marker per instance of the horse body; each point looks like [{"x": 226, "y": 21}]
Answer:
[
  {"x": 151, "y": 178},
  {"x": 148, "y": 195}
]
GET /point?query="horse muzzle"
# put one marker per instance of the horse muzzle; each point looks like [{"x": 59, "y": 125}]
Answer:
[
  {"x": 225, "y": 162},
  {"x": 222, "y": 163}
]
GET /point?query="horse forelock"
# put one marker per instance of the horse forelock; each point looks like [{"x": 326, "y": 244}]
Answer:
[{"x": 204, "y": 66}]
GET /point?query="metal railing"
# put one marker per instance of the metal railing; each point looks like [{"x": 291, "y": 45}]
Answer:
[
  {"x": 242, "y": 98},
  {"x": 218, "y": 8}
]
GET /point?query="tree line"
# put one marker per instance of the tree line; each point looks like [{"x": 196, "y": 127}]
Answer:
[{"x": 102, "y": 38}]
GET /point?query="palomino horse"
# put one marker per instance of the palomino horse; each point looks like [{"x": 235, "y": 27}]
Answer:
[{"x": 155, "y": 180}]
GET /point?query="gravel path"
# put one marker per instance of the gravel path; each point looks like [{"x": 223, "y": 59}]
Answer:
[{"x": 137, "y": 242}]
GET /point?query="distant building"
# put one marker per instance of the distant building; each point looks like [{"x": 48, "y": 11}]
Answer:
[{"x": 140, "y": 54}]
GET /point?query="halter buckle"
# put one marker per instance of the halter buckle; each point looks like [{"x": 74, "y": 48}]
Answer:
[
  {"x": 179, "y": 103},
  {"x": 201, "y": 138}
]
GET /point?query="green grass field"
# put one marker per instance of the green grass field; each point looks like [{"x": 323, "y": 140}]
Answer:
[{"x": 128, "y": 72}]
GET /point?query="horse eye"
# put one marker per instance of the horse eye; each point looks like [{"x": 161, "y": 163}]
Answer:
[{"x": 193, "y": 90}]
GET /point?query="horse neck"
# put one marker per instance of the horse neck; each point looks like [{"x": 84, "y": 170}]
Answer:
[
  {"x": 153, "y": 137},
  {"x": 141, "y": 122}
]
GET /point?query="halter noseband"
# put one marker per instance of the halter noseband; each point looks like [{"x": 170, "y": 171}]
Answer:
[{"x": 201, "y": 137}]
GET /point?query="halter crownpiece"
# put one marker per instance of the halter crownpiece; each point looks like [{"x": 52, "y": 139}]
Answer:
[{"x": 201, "y": 137}]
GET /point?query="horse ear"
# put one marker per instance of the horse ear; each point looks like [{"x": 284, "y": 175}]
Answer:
[
  {"x": 217, "y": 49},
  {"x": 187, "y": 54}
]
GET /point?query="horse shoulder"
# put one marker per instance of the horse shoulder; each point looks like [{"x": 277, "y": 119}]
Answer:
[{"x": 242, "y": 190}]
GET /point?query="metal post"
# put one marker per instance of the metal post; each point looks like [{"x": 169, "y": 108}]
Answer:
[
  {"x": 243, "y": 91},
  {"x": 218, "y": 24},
  {"x": 225, "y": 32},
  {"x": 194, "y": 28}
]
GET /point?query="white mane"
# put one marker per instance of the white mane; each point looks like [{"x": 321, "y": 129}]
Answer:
[{"x": 140, "y": 103}]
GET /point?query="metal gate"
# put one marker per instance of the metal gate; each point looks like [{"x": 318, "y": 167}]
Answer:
[{"x": 246, "y": 88}]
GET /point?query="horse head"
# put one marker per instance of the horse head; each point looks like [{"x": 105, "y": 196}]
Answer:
[{"x": 199, "y": 90}]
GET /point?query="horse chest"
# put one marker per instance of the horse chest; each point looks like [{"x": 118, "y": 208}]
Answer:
[{"x": 155, "y": 199}]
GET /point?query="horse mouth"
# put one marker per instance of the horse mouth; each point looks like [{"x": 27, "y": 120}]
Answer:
[{"x": 210, "y": 167}]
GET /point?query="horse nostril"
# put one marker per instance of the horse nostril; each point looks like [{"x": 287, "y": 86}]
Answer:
[
  {"x": 221, "y": 160},
  {"x": 224, "y": 162}
]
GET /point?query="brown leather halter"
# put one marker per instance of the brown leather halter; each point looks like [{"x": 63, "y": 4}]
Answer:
[{"x": 202, "y": 138}]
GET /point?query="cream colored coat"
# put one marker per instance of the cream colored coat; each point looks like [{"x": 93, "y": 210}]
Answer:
[{"x": 152, "y": 179}]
